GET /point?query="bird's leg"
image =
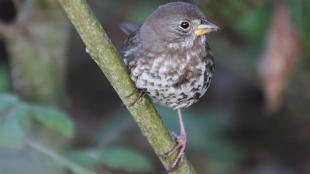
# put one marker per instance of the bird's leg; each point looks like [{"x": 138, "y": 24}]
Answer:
[{"x": 181, "y": 144}]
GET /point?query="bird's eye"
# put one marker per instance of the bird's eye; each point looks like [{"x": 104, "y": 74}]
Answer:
[{"x": 184, "y": 25}]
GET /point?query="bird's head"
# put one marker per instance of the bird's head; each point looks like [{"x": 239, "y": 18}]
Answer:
[{"x": 176, "y": 22}]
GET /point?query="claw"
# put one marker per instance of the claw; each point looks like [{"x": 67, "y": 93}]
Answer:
[
  {"x": 181, "y": 146},
  {"x": 174, "y": 149}
]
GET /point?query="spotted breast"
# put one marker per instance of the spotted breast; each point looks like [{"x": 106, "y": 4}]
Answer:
[{"x": 176, "y": 78}]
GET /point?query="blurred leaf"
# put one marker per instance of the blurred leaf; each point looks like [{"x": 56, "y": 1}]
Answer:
[
  {"x": 118, "y": 158},
  {"x": 54, "y": 119},
  {"x": 87, "y": 157},
  {"x": 283, "y": 50},
  {"x": 14, "y": 118},
  {"x": 7, "y": 101},
  {"x": 125, "y": 159},
  {"x": 23, "y": 114},
  {"x": 11, "y": 134}
]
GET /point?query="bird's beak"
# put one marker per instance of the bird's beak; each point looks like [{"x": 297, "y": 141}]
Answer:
[{"x": 205, "y": 27}]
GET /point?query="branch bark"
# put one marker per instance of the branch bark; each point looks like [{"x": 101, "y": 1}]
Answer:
[{"x": 99, "y": 46}]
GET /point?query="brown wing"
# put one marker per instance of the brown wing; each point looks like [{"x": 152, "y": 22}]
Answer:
[
  {"x": 210, "y": 66},
  {"x": 130, "y": 47}
]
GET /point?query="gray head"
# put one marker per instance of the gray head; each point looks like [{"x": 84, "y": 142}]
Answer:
[{"x": 172, "y": 23}]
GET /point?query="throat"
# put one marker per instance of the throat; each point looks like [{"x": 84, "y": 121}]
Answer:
[{"x": 188, "y": 43}]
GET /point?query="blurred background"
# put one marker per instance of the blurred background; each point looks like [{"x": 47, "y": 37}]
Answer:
[{"x": 59, "y": 114}]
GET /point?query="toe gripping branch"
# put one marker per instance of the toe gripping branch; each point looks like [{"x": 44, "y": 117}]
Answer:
[{"x": 180, "y": 146}]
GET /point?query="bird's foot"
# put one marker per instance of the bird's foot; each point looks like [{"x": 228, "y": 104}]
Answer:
[{"x": 179, "y": 148}]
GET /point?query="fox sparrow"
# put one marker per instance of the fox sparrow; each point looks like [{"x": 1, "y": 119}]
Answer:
[{"x": 169, "y": 59}]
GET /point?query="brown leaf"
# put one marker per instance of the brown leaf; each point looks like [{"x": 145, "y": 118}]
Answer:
[{"x": 283, "y": 49}]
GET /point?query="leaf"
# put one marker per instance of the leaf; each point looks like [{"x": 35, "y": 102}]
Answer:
[
  {"x": 86, "y": 157},
  {"x": 23, "y": 115},
  {"x": 116, "y": 158},
  {"x": 7, "y": 101},
  {"x": 54, "y": 119},
  {"x": 125, "y": 159},
  {"x": 279, "y": 58},
  {"x": 11, "y": 133}
]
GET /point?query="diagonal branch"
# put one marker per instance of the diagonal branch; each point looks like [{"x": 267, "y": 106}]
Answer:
[{"x": 109, "y": 60}]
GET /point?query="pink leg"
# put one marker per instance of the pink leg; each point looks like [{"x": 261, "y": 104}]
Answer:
[{"x": 181, "y": 143}]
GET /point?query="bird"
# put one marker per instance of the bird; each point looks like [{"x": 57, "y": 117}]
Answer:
[{"x": 169, "y": 60}]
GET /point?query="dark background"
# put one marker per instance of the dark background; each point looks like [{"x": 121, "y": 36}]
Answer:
[{"x": 254, "y": 119}]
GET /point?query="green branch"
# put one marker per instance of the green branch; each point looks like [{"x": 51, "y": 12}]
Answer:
[{"x": 109, "y": 60}]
